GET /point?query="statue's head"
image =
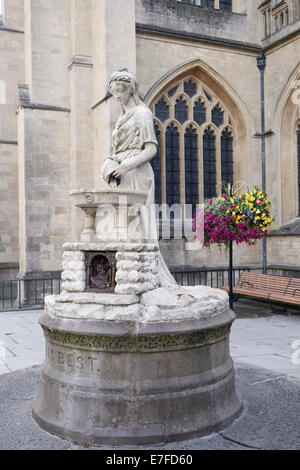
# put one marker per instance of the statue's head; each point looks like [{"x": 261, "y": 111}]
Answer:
[{"x": 123, "y": 84}]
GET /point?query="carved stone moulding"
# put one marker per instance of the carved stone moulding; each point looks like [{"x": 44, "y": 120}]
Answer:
[{"x": 100, "y": 271}]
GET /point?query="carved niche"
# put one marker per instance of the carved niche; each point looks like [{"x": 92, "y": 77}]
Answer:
[{"x": 100, "y": 271}]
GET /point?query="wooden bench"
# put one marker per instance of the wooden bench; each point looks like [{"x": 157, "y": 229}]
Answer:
[{"x": 271, "y": 288}]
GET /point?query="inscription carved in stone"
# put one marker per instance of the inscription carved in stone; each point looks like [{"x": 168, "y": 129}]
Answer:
[{"x": 100, "y": 271}]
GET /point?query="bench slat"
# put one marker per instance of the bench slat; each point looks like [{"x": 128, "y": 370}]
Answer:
[{"x": 266, "y": 286}]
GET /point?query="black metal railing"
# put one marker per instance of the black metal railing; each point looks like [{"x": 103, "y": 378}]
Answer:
[
  {"x": 216, "y": 278},
  {"x": 26, "y": 293},
  {"x": 30, "y": 293}
]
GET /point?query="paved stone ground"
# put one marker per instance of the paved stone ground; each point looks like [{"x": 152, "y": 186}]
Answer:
[
  {"x": 267, "y": 379},
  {"x": 270, "y": 419},
  {"x": 258, "y": 337},
  {"x": 21, "y": 340},
  {"x": 262, "y": 338}
]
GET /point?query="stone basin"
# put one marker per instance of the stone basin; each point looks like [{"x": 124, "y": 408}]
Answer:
[
  {"x": 85, "y": 198},
  {"x": 117, "y": 204}
]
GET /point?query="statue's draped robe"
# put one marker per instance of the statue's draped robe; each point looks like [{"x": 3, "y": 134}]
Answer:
[{"x": 133, "y": 130}]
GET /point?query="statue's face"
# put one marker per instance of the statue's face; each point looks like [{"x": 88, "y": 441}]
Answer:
[{"x": 121, "y": 92}]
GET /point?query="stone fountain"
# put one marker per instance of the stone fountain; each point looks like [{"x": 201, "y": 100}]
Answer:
[
  {"x": 131, "y": 357},
  {"x": 128, "y": 361}
]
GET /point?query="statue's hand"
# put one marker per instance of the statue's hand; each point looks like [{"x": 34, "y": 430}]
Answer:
[
  {"x": 108, "y": 167},
  {"x": 120, "y": 171}
]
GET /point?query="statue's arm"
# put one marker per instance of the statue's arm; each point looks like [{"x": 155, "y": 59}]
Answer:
[{"x": 150, "y": 150}]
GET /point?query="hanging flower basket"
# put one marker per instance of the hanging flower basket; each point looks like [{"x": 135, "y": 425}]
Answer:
[{"x": 243, "y": 218}]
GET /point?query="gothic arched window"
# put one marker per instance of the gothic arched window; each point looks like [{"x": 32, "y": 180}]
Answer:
[
  {"x": 227, "y": 156},
  {"x": 196, "y": 144},
  {"x": 209, "y": 163},
  {"x": 172, "y": 165},
  {"x": 191, "y": 167},
  {"x": 162, "y": 110},
  {"x": 217, "y": 116},
  {"x": 181, "y": 110},
  {"x": 199, "y": 112},
  {"x": 190, "y": 88}
]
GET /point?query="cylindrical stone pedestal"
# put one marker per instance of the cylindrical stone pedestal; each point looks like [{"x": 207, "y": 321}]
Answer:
[{"x": 120, "y": 383}]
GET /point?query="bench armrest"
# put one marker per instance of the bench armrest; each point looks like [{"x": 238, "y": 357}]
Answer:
[{"x": 246, "y": 282}]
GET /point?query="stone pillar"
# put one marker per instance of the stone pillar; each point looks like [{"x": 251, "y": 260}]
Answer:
[
  {"x": 80, "y": 79},
  {"x": 114, "y": 48},
  {"x": 44, "y": 138}
]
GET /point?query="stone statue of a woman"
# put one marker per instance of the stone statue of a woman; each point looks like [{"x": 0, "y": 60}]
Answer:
[{"x": 134, "y": 145}]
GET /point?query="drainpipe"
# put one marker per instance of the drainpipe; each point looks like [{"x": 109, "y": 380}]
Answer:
[{"x": 261, "y": 64}]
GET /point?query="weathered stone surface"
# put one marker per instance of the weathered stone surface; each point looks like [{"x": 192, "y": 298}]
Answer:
[
  {"x": 125, "y": 277},
  {"x": 75, "y": 276},
  {"x": 146, "y": 266},
  {"x": 74, "y": 265},
  {"x": 133, "y": 256},
  {"x": 111, "y": 246},
  {"x": 91, "y": 297},
  {"x": 94, "y": 311},
  {"x": 74, "y": 255},
  {"x": 136, "y": 288},
  {"x": 173, "y": 381},
  {"x": 69, "y": 286},
  {"x": 152, "y": 304}
]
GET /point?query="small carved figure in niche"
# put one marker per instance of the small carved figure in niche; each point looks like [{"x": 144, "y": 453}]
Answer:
[{"x": 101, "y": 269}]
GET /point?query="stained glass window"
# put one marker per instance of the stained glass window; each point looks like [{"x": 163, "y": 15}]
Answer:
[
  {"x": 199, "y": 112},
  {"x": 172, "y": 165},
  {"x": 227, "y": 157},
  {"x": 207, "y": 96},
  {"x": 172, "y": 91},
  {"x": 177, "y": 145},
  {"x": 191, "y": 167},
  {"x": 190, "y": 88},
  {"x": 226, "y": 5},
  {"x": 217, "y": 116},
  {"x": 181, "y": 110},
  {"x": 162, "y": 111},
  {"x": 209, "y": 163},
  {"x": 155, "y": 162}
]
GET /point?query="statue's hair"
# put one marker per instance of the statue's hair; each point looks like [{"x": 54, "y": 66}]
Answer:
[{"x": 128, "y": 78}]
